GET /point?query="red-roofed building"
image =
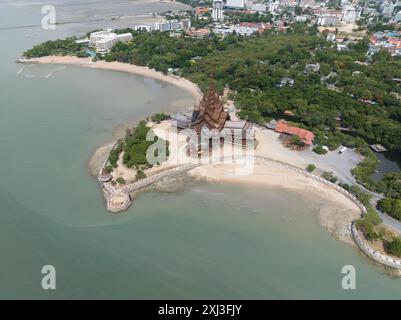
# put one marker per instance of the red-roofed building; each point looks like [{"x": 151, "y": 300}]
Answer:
[
  {"x": 305, "y": 135},
  {"x": 201, "y": 10},
  {"x": 199, "y": 33}
]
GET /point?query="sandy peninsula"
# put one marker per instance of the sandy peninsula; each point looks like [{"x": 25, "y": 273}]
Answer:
[
  {"x": 336, "y": 212},
  {"x": 123, "y": 67}
]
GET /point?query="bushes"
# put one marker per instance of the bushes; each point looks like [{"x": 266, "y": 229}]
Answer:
[
  {"x": 159, "y": 117},
  {"x": 367, "y": 229},
  {"x": 135, "y": 147},
  {"x": 362, "y": 196},
  {"x": 310, "y": 167},
  {"x": 363, "y": 171},
  {"x": 391, "y": 207},
  {"x": 140, "y": 174},
  {"x": 56, "y": 47},
  {"x": 368, "y": 225},
  {"x": 372, "y": 217},
  {"x": 109, "y": 169},
  {"x": 114, "y": 155},
  {"x": 329, "y": 176},
  {"x": 295, "y": 140},
  {"x": 252, "y": 115},
  {"x": 392, "y": 185},
  {"x": 319, "y": 150},
  {"x": 394, "y": 247},
  {"x": 120, "y": 180}
]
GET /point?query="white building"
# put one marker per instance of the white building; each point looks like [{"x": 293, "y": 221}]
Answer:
[
  {"x": 256, "y": 6},
  {"x": 350, "y": 14},
  {"x": 124, "y": 37},
  {"x": 236, "y": 4},
  {"x": 186, "y": 24},
  {"x": 175, "y": 24},
  {"x": 259, "y": 7},
  {"x": 217, "y": 12},
  {"x": 327, "y": 20},
  {"x": 272, "y": 6},
  {"x": 301, "y": 18},
  {"x": 104, "y": 40},
  {"x": 143, "y": 27},
  {"x": 369, "y": 11},
  {"x": 98, "y": 35},
  {"x": 162, "y": 26},
  {"x": 168, "y": 25}
]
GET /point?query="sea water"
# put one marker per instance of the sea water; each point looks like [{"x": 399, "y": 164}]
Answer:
[{"x": 205, "y": 241}]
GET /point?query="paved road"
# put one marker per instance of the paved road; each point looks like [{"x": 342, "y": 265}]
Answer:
[{"x": 387, "y": 220}]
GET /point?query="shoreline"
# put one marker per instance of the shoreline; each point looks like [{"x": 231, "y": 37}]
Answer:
[
  {"x": 179, "y": 82},
  {"x": 102, "y": 151},
  {"x": 336, "y": 212},
  {"x": 336, "y": 224}
]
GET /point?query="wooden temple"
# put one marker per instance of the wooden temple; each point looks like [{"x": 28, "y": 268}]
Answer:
[
  {"x": 212, "y": 125},
  {"x": 209, "y": 113}
]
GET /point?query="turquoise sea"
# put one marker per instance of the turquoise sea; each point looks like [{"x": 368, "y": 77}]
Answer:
[{"x": 203, "y": 242}]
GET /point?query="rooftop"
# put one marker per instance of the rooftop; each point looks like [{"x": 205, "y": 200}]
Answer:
[{"x": 305, "y": 135}]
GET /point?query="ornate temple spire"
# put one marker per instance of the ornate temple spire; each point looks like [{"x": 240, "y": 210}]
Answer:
[{"x": 210, "y": 111}]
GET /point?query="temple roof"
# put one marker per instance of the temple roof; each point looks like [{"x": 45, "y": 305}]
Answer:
[{"x": 210, "y": 112}]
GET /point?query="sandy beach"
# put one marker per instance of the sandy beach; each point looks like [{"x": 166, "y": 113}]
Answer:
[
  {"x": 123, "y": 67},
  {"x": 336, "y": 211}
]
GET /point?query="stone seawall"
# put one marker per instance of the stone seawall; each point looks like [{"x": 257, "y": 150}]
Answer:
[
  {"x": 317, "y": 178},
  {"x": 374, "y": 254},
  {"x": 120, "y": 199},
  {"x": 157, "y": 177},
  {"x": 358, "y": 239}
]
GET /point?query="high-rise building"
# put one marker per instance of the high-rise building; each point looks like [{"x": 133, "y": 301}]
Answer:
[
  {"x": 186, "y": 24},
  {"x": 217, "y": 12},
  {"x": 168, "y": 25}
]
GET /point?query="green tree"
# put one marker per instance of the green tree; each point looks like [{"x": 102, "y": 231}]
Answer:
[
  {"x": 140, "y": 174},
  {"x": 120, "y": 180},
  {"x": 295, "y": 140},
  {"x": 329, "y": 176},
  {"x": 310, "y": 167},
  {"x": 394, "y": 247}
]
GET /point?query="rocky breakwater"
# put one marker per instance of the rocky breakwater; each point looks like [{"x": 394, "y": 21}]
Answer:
[{"x": 120, "y": 199}]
